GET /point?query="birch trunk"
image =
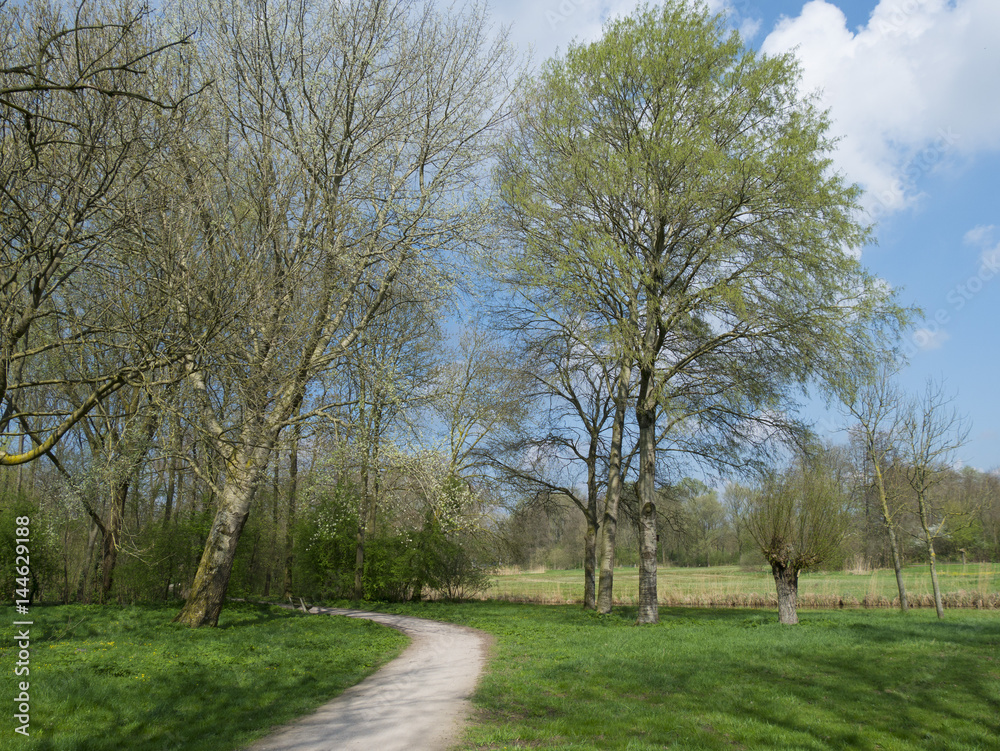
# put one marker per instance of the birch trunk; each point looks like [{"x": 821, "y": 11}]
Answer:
[{"x": 883, "y": 497}]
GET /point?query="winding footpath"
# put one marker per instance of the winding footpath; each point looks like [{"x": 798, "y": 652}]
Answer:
[{"x": 417, "y": 702}]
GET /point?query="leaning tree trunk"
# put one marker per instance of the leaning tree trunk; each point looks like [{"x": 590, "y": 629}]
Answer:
[
  {"x": 938, "y": 603},
  {"x": 649, "y": 611},
  {"x": 208, "y": 591},
  {"x": 606, "y": 587},
  {"x": 897, "y": 565},
  {"x": 897, "y": 561},
  {"x": 786, "y": 579},
  {"x": 929, "y": 539}
]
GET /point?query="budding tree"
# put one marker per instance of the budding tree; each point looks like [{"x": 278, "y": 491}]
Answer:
[
  {"x": 344, "y": 158},
  {"x": 875, "y": 403},
  {"x": 932, "y": 430},
  {"x": 89, "y": 103},
  {"x": 798, "y": 519},
  {"x": 674, "y": 187}
]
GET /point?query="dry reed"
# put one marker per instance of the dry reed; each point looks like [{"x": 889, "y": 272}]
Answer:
[{"x": 960, "y": 599}]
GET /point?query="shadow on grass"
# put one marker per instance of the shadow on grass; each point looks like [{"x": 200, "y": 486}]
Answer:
[
  {"x": 107, "y": 678},
  {"x": 714, "y": 679}
]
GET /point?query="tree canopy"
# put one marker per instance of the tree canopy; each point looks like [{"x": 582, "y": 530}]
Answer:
[{"x": 675, "y": 188}]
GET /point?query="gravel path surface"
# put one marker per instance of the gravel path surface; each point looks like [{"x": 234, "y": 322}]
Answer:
[{"x": 417, "y": 702}]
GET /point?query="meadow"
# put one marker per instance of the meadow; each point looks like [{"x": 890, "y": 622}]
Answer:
[
  {"x": 972, "y": 585},
  {"x": 116, "y": 679},
  {"x": 561, "y": 678},
  {"x": 558, "y": 677}
]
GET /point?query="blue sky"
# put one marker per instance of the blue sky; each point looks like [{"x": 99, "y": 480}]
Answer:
[{"x": 913, "y": 87}]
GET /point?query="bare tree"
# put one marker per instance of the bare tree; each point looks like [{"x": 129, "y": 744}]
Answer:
[
  {"x": 875, "y": 403},
  {"x": 932, "y": 431},
  {"x": 388, "y": 378},
  {"x": 479, "y": 401},
  {"x": 568, "y": 455}
]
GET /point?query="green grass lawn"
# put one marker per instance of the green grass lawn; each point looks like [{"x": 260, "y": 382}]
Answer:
[
  {"x": 732, "y": 585},
  {"x": 560, "y": 678},
  {"x": 127, "y": 679}
]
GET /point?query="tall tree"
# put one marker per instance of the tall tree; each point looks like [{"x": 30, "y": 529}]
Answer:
[
  {"x": 674, "y": 188},
  {"x": 343, "y": 160}
]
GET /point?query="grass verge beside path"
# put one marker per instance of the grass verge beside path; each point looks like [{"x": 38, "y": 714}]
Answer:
[
  {"x": 127, "y": 678},
  {"x": 564, "y": 679}
]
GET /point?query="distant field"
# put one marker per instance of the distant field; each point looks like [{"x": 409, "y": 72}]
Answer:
[{"x": 972, "y": 585}]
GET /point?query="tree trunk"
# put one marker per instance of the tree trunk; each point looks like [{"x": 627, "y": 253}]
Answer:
[
  {"x": 786, "y": 579},
  {"x": 363, "y": 513},
  {"x": 897, "y": 561},
  {"x": 208, "y": 591},
  {"x": 87, "y": 568},
  {"x": 646, "y": 418},
  {"x": 590, "y": 538},
  {"x": 359, "y": 558},
  {"x": 897, "y": 565},
  {"x": 112, "y": 537},
  {"x": 273, "y": 537},
  {"x": 590, "y": 565},
  {"x": 293, "y": 481},
  {"x": 168, "y": 505},
  {"x": 938, "y": 604},
  {"x": 929, "y": 539},
  {"x": 614, "y": 494}
]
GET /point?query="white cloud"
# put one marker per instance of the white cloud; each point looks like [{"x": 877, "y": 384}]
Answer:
[
  {"x": 980, "y": 235},
  {"x": 930, "y": 338},
  {"x": 910, "y": 91},
  {"x": 548, "y": 26}
]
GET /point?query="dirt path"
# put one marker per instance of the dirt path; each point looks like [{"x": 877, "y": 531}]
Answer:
[{"x": 418, "y": 702}]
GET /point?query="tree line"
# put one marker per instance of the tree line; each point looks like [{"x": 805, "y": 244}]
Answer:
[{"x": 239, "y": 239}]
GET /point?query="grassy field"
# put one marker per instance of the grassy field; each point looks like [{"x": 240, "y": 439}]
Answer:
[
  {"x": 128, "y": 679},
  {"x": 969, "y": 585},
  {"x": 560, "y": 678}
]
